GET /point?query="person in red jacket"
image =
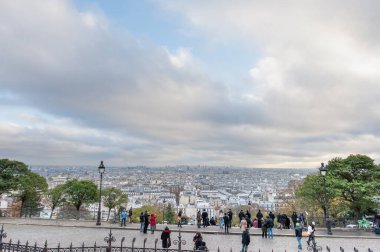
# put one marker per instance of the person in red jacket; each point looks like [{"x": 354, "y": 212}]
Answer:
[{"x": 153, "y": 223}]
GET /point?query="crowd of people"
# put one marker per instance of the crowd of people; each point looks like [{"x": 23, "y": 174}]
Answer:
[{"x": 224, "y": 220}]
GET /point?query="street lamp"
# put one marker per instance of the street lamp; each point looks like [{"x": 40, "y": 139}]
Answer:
[
  {"x": 163, "y": 212},
  {"x": 101, "y": 169},
  {"x": 323, "y": 171}
]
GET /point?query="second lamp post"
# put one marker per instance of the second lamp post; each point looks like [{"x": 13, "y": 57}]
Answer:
[
  {"x": 101, "y": 171},
  {"x": 323, "y": 171}
]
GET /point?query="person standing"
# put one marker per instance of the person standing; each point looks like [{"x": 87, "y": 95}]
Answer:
[
  {"x": 271, "y": 215},
  {"x": 301, "y": 219},
  {"x": 130, "y": 215},
  {"x": 179, "y": 218},
  {"x": 241, "y": 217},
  {"x": 259, "y": 217},
  {"x": 141, "y": 221},
  {"x": 294, "y": 219},
  {"x": 199, "y": 218},
  {"x": 269, "y": 223},
  {"x": 311, "y": 233},
  {"x": 279, "y": 221},
  {"x": 146, "y": 221},
  {"x": 204, "y": 218},
  {"x": 153, "y": 223},
  {"x": 226, "y": 221},
  {"x": 165, "y": 237},
  {"x": 264, "y": 229},
  {"x": 248, "y": 217},
  {"x": 245, "y": 240},
  {"x": 244, "y": 224},
  {"x": 221, "y": 219},
  {"x": 123, "y": 217},
  {"x": 230, "y": 216},
  {"x": 298, "y": 231}
]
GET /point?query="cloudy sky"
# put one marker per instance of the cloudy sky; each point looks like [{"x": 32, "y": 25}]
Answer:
[{"x": 226, "y": 83}]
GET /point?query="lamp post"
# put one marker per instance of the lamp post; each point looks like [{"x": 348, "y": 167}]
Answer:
[
  {"x": 101, "y": 169},
  {"x": 323, "y": 171},
  {"x": 163, "y": 212}
]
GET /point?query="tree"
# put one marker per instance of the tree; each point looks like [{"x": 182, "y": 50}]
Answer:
[
  {"x": 311, "y": 192},
  {"x": 56, "y": 196},
  {"x": 351, "y": 185},
  {"x": 357, "y": 180},
  {"x": 30, "y": 189},
  {"x": 79, "y": 192},
  {"x": 113, "y": 197},
  {"x": 10, "y": 171},
  {"x": 169, "y": 214},
  {"x": 26, "y": 185}
]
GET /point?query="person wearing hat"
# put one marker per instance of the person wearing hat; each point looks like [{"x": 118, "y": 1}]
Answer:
[
  {"x": 310, "y": 232},
  {"x": 298, "y": 231}
]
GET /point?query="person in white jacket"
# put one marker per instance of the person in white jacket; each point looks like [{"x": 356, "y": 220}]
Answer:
[{"x": 310, "y": 232}]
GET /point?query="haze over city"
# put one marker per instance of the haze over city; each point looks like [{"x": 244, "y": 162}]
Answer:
[{"x": 264, "y": 84}]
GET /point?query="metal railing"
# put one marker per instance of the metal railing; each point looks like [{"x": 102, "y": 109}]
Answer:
[
  {"x": 112, "y": 246},
  {"x": 109, "y": 239}
]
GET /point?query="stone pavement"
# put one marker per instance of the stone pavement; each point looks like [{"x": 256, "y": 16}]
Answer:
[{"x": 77, "y": 232}]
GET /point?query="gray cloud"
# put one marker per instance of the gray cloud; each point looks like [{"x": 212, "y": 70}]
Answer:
[{"x": 93, "y": 91}]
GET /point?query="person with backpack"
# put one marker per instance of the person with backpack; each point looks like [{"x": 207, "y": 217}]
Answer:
[
  {"x": 264, "y": 229},
  {"x": 269, "y": 224},
  {"x": 298, "y": 231},
  {"x": 245, "y": 240},
  {"x": 310, "y": 232}
]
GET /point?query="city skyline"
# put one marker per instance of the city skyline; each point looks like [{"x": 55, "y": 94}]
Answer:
[{"x": 260, "y": 84}]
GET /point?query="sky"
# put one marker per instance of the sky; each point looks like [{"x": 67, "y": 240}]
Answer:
[{"x": 265, "y": 84}]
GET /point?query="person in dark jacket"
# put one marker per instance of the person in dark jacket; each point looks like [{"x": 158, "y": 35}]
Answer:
[
  {"x": 141, "y": 221},
  {"x": 271, "y": 215},
  {"x": 241, "y": 217},
  {"x": 269, "y": 224},
  {"x": 294, "y": 219},
  {"x": 230, "y": 215},
  {"x": 198, "y": 239},
  {"x": 204, "y": 218},
  {"x": 259, "y": 217},
  {"x": 264, "y": 229},
  {"x": 146, "y": 221},
  {"x": 165, "y": 237},
  {"x": 245, "y": 240},
  {"x": 226, "y": 220}
]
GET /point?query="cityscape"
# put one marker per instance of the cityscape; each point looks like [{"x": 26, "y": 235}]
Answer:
[{"x": 186, "y": 187}]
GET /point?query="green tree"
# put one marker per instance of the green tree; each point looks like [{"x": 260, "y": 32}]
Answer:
[
  {"x": 56, "y": 197},
  {"x": 113, "y": 197},
  {"x": 79, "y": 192},
  {"x": 30, "y": 189},
  {"x": 351, "y": 185},
  {"x": 170, "y": 215},
  {"x": 311, "y": 192},
  {"x": 357, "y": 180},
  {"x": 10, "y": 171}
]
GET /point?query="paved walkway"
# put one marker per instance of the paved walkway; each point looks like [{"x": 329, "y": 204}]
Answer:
[{"x": 77, "y": 232}]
